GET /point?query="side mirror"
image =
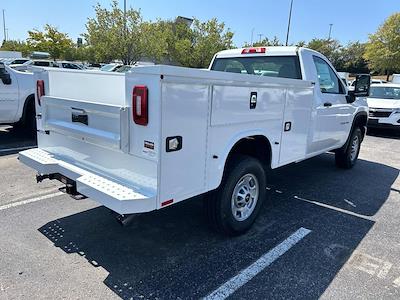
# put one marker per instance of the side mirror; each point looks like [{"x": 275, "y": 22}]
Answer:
[{"x": 361, "y": 88}]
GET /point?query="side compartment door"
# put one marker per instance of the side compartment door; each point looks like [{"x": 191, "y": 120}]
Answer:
[
  {"x": 184, "y": 140},
  {"x": 296, "y": 125},
  {"x": 9, "y": 97},
  {"x": 333, "y": 113}
]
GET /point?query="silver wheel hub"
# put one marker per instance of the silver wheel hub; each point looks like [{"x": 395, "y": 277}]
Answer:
[
  {"x": 245, "y": 197},
  {"x": 355, "y": 145}
]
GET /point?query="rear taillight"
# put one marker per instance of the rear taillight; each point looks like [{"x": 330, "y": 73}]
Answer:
[
  {"x": 39, "y": 90},
  {"x": 140, "y": 105},
  {"x": 254, "y": 50}
]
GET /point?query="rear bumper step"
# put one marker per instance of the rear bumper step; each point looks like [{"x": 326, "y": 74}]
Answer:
[{"x": 120, "y": 198}]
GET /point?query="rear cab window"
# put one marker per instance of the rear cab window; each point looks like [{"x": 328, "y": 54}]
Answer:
[
  {"x": 42, "y": 63},
  {"x": 270, "y": 66}
]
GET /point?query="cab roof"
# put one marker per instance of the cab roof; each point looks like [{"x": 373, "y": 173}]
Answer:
[{"x": 269, "y": 51}]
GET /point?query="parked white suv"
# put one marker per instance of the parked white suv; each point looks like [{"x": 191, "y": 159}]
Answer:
[
  {"x": 384, "y": 106},
  {"x": 158, "y": 135}
]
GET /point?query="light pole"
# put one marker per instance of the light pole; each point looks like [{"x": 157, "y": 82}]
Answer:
[
  {"x": 330, "y": 31},
  {"x": 125, "y": 15},
  {"x": 4, "y": 26},
  {"x": 127, "y": 58},
  {"x": 290, "y": 19},
  {"x": 252, "y": 36}
]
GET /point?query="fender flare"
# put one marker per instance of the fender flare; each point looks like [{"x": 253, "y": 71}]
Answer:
[
  {"x": 232, "y": 142},
  {"x": 356, "y": 116}
]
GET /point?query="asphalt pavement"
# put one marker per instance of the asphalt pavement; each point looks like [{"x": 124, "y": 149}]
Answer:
[{"x": 345, "y": 224}]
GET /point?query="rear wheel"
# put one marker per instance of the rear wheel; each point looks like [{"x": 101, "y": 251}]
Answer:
[
  {"x": 347, "y": 158},
  {"x": 233, "y": 208}
]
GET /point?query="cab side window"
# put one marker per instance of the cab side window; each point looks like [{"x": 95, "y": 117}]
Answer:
[{"x": 328, "y": 81}]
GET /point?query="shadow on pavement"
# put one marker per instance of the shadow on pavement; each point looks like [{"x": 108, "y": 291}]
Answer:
[
  {"x": 14, "y": 138},
  {"x": 384, "y": 133},
  {"x": 362, "y": 190},
  {"x": 172, "y": 254}
]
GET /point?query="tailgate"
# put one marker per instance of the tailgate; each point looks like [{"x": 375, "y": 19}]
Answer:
[
  {"x": 85, "y": 122},
  {"x": 100, "y": 124}
]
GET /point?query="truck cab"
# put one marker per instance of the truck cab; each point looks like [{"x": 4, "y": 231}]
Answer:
[
  {"x": 17, "y": 101},
  {"x": 330, "y": 110}
]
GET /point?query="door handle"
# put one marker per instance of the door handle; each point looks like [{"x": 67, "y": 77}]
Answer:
[{"x": 327, "y": 104}]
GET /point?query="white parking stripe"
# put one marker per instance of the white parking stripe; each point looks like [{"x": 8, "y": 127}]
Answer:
[
  {"x": 229, "y": 287},
  {"x": 16, "y": 149},
  {"x": 348, "y": 212},
  {"x": 27, "y": 201}
]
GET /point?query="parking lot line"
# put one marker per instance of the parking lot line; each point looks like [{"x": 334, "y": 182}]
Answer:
[
  {"x": 27, "y": 201},
  {"x": 229, "y": 287},
  {"x": 16, "y": 149},
  {"x": 348, "y": 212}
]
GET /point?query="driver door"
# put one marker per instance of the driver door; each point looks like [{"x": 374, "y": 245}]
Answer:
[{"x": 333, "y": 113}]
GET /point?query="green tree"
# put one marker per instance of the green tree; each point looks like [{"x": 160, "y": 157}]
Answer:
[
  {"x": 13, "y": 45},
  {"x": 330, "y": 48},
  {"x": 352, "y": 57},
  {"x": 109, "y": 36},
  {"x": 197, "y": 47},
  {"x": 177, "y": 43},
  {"x": 50, "y": 40},
  {"x": 265, "y": 42},
  {"x": 159, "y": 40},
  {"x": 301, "y": 44},
  {"x": 383, "y": 49}
]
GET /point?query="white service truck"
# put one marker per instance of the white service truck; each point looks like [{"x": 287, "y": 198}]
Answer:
[
  {"x": 148, "y": 139},
  {"x": 17, "y": 98}
]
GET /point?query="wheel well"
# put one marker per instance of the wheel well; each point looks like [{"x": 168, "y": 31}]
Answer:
[
  {"x": 361, "y": 122},
  {"x": 257, "y": 146}
]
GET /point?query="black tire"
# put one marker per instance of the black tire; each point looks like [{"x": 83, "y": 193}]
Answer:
[
  {"x": 27, "y": 124},
  {"x": 30, "y": 118},
  {"x": 347, "y": 157},
  {"x": 218, "y": 205}
]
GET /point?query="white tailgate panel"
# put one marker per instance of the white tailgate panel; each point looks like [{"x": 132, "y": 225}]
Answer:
[
  {"x": 298, "y": 110},
  {"x": 106, "y": 126},
  {"x": 184, "y": 113}
]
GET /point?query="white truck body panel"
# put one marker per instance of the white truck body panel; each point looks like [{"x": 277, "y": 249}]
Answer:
[{"x": 111, "y": 161}]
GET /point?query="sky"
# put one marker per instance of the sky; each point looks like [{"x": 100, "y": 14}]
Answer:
[{"x": 352, "y": 19}]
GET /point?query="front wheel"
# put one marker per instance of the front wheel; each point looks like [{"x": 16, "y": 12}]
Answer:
[
  {"x": 233, "y": 208},
  {"x": 347, "y": 158}
]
